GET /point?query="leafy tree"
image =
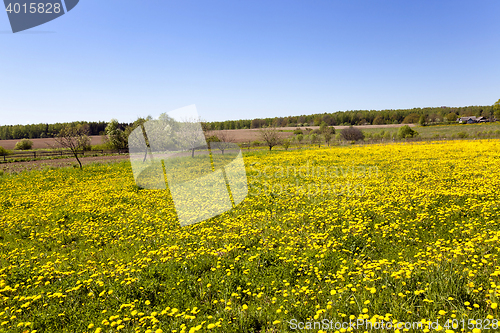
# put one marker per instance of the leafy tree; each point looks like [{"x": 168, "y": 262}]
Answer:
[
  {"x": 406, "y": 132},
  {"x": 323, "y": 126},
  {"x": 315, "y": 139},
  {"x": 352, "y": 134},
  {"x": 327, "y": 133},
  {"x": 328, "y": 137},
  {"x": 422, "y": 120},
  {"x": 300, "y": 137},
  {"x": 3, "y": 151},
  {"x": 378, "y": 120},
  {"x": 452, "y": 116},
  {"x": 412, "y": 118},
  {"x": 286, "y": 144},
  {"x": 496, "y": 109},
  {"x": 116, "y": 137}
]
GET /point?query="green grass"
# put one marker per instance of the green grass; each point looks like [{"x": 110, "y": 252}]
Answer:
[{"x": 480, "y": 130}]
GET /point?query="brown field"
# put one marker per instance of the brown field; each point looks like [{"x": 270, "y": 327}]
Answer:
[
  {"x": 249, "y": 135},
  {"x": 239, "y": 136},
  {"x": 46, "y": 143}
]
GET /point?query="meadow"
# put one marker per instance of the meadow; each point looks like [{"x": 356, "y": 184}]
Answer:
[
  {"x": 444, "y": 131},
  {"x": 403, "y": 232}
]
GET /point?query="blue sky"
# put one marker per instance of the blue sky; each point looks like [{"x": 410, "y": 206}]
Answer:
[{"x": 247, "y": 59}]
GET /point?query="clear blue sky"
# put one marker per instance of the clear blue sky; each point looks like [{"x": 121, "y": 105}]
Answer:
[{"x": 246, "y": 59}]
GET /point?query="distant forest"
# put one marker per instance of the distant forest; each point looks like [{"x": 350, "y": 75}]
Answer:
[
  {"x": 48, "y": 130},
  {"x": 363, "y": 117},
  {"x": 359, "y": 117}
]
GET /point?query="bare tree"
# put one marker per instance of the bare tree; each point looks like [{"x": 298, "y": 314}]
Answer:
[
  {"x": 271, "y": 136},
  {"x": 190, "y": 135},
  {"x": 74, "y": 138},
  {"x": 225, "y": 140},
  {"x": 352, "y": 134}
]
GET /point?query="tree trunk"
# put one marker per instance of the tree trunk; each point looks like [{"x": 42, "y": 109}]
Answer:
[
  {"x": 192, "y": 153},
  {"x": 76, "y": 156}
]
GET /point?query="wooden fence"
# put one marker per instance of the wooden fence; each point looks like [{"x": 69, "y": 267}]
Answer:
[{"x": 55, "y": 153}]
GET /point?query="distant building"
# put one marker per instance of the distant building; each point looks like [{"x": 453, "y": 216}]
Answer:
[{"x": 471, "y": 120}]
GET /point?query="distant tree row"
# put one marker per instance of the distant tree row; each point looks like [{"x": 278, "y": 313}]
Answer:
[
  {"x": 421, "y": 116},
  {"x": 36, "y": 131},
  {"x": 364, "y": 117}
]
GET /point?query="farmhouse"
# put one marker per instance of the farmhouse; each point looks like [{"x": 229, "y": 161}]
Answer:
[{"x": 471, "y": 120}]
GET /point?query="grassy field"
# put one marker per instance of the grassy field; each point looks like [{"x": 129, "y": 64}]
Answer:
[
  {"x": 387, "y": 233},
  {"x": 480, "y": 130}
]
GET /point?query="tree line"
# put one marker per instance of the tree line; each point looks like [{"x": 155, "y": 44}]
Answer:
[
  {"x": 430, "y": 115},
  {"x": 36, "y": 131}
]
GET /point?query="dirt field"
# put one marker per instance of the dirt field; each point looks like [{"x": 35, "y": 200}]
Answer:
[
  {"x": 58, "y": 163},
  {"x": 246, "y": 135},
  {"x": 239, "y": 136},
  {"x": 44, "y": 143}
]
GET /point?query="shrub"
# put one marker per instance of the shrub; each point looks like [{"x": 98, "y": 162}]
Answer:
[
  {"x": 84, "y": 143},
  {"x": 212, "y": 138},
  {"x": 256, "y": 143},
  {"x": 3, "y": 151},
  {"x": 462, "y": 135},
  {"x": 352, "y": 134},
  {"x": 406, "y": 132},
  {"x": 24, "y": 144},
  {"x": 298, "y": 131}
]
